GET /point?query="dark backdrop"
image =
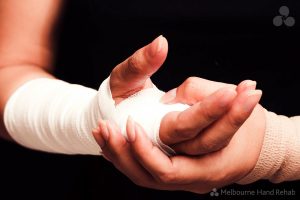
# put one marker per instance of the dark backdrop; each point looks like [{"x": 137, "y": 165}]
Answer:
[{"x": 226, "y": 41}]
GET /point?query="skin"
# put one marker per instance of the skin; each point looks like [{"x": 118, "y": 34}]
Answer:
[
  {"x": 27, "y": 54},
  {"x": 198, "y": 173},
  {"x": 25, "y": 45}
]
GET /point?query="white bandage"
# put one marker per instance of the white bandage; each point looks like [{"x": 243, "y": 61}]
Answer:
[
  {"x": 55, "y": 116},
  {"x": 144, "y": 107}
]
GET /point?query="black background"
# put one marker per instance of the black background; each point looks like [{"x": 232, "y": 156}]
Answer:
[{"x": 226, "y": 41}]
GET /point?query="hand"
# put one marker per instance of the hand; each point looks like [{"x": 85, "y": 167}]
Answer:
[
  {"x": 198, "y": 174},
  {"x": 134, "y": 74},
  {"x": 215, "y": 116}
]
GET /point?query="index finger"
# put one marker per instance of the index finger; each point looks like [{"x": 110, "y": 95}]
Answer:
[{"x": 185, "y": 125}]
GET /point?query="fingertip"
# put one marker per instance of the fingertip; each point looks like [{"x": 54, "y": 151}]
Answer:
[
  {"x": 255, "y": 94},
  {"x": 252, "y": 99},
  {"x": 96, "y": 130},
  {"x": 246, "y": 85},
  {"x": 158, "y": 49},
  {"x": 104, "y": 130},
  {"x": 97, "y": 133},
  {"x": 141, "y": 136},
  {"x": 130, "y": 129}
]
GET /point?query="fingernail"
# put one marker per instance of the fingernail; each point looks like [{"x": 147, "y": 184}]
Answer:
[
  {"x": 156, "y": 45},
  {"x": 227, "y": 97},
  {"x": 169, "y": 96},
  {"x": 131, "y": 131},
  {"x": 94, "y": 131},
  {"x": 139, "y": 130},
  {"x": 100, "y": 139},
  {"x": 249, "y": 84},
  {"x": 253, "y": 98},
  {"x": 101, "y": 142},
  {"x": 104, "y": 130}
]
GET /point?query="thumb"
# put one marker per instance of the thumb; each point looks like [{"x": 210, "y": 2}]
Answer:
[{"x": 134, "y": 73}]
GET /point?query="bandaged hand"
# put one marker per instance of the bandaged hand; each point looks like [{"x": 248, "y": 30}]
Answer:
[
  {"x": 224, "y": 151},
  {"x": 179, "y": 118},
  {"x": 54, "y": 116},
  {"x": 175, "y": 122}
]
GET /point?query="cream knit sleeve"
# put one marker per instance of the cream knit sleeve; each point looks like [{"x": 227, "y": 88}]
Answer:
[{"x": 279, "y": 159}]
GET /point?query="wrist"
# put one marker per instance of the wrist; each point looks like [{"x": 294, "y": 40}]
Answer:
[
  {"x": 255, "y": 128},
  {"x": 273, "y": 151}
]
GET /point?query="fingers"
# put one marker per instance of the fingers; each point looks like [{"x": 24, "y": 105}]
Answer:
[
  {"x": 220, "y": 133},
  {"x": 178, "y": 171},
  {"x": 150, "y": 156},
  {"x": 178, "y": 127},
  {"x": 196, "y": 174},
  {"x": 193, "y": 90},
  {"x": 116, "y": 149},
  {"x": 246, "y": 85},
  {"x": 131, "y": 75}
]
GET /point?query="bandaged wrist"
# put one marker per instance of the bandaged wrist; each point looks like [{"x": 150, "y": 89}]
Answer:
[
  {"x": 279, "y": 156},
  {"x": 54, "y": 116}
]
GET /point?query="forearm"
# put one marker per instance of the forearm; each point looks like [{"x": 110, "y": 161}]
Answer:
[
  {"x": 55, "y": 116},
  {"x": 12, "y": 77},
  {"x": 279, "y": 159},
  {"x": 26, "y": 41},
  {"x": 43, "y": 113}
]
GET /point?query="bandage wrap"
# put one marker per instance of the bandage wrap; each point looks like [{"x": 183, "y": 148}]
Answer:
[
  {"x": 144, "y": 107},
  {"x": 55, "y": 116}
]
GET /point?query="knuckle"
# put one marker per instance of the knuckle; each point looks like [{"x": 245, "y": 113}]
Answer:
[
  {"x": 182, "y": 130},
  {"x": 214, "y": 147},
  {"x": 218, "y": 145},
  {"x": 190, "y": 80},
  {"x": 168, "y": 177},
  {"x": 180, "y": 127},
  {"x": 193, "y": 151},
  {"x": 225, "y": 142},
  {"x": 187, "y": 88},
  {"x": 206, "y": 147},
  {"x": 133, "y": 65},
  {"x": 189, "y": 85},
  {"x": 232, "y": 86},
  {"x": 236, "y": 120},
  {"x": 207, "y": 114}
]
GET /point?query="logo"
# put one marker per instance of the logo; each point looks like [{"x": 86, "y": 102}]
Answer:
[
  {"x": 257, "y": 192},
  {"x": 214, "y": 192},
  {"x": 284, "y": 17}
]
